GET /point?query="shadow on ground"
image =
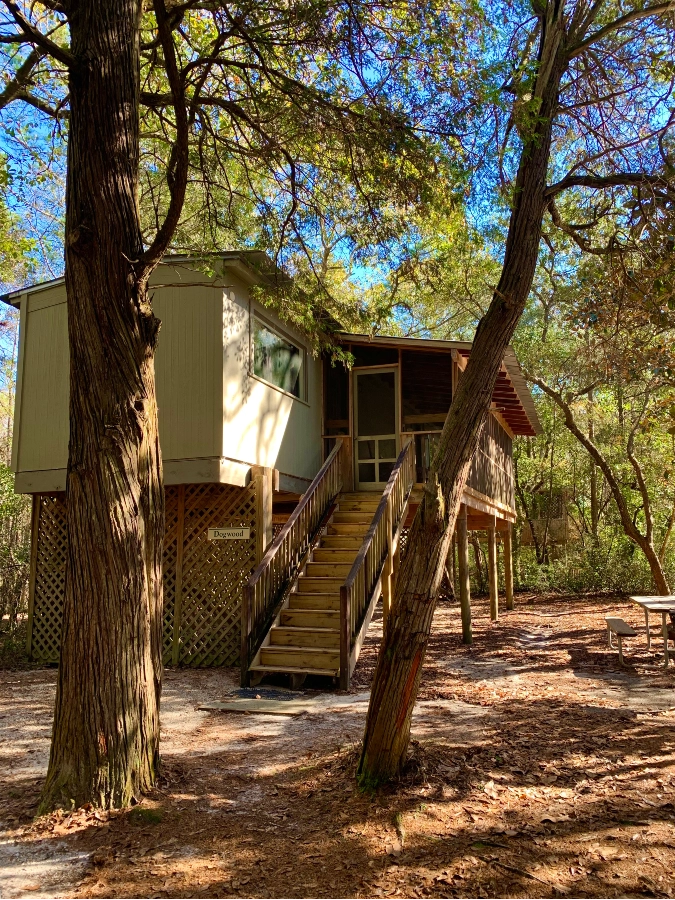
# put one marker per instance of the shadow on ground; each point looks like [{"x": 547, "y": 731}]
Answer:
[{"x": 539, "y": 769}]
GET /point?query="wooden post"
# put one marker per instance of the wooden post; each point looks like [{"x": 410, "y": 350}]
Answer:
[
  {"x": 508, "y": 566},
  {"x": 464, "y": 579},
  {"x": 493, "y": 573},
  {"x": 178, "y": 601},
  {"x": 263, "y": 479}
]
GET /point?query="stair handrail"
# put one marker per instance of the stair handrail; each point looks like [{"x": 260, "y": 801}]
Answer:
[
  {"x": 363, "y": 583},
  {"x": 285, "y": 556}
]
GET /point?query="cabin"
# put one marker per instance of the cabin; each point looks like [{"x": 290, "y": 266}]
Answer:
[{"x": 290, "y": 482}]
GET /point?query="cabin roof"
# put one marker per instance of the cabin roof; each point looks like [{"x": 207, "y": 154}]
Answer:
[
  {"x": 511, "y": 396},
  {"x": 252, "y": 266}
]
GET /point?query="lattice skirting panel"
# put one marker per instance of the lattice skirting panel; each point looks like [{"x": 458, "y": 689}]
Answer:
[
  {"x": 403, "y": 541},
  {"x": 203, "y": 579}
]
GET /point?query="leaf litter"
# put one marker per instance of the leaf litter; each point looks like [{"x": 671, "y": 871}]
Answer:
[{"x": 538, "y": 768}]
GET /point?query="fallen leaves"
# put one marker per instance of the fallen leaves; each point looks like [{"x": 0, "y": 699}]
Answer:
[{"x": 552, "y": 788}]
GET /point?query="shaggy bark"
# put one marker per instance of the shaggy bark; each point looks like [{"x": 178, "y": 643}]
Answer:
[
  {"x": 105, "y": 745},
  {"x": 399, "y": 666}
]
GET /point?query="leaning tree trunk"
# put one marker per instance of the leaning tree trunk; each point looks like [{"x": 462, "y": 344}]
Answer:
[
  {"x": 644, "y": 541},
  {"x": 105, "y": 743},
  {"x": 399, "y": 665}
]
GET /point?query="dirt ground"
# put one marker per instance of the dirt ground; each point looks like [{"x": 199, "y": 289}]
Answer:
[{"x": 539, "y": 769}]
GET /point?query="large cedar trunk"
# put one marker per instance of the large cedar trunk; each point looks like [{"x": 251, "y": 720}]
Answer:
[
  {"x": 105, "y": 744},
  {"x": 399, "y": 665}
]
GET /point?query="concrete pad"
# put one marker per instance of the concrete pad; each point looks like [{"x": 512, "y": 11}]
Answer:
[
  {"x": 267, "y": 707},
  {"x": 309, "y": 705}
]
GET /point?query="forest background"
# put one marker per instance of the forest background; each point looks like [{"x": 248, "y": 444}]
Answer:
[{"x": 595, "y": 342}]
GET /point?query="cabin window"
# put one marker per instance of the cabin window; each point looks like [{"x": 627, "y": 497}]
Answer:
[{"x": 278, "y": 360}]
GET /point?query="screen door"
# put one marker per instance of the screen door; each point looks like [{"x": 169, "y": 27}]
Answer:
[{"x": 376, "y": 415}]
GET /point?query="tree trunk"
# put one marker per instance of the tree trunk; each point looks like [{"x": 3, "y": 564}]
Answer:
[
  {"x": 666, "y": 537},
  {"x": 399, "y": 665},
  {"x": 529, "y": 517},
  {"x": 464, "y": 580},
  {"x": 481, "y": 575},
  {"x": 105, "y": 744},
  {"x": 644, "y": 542},
  {"x": 493, "y": 573},
  {"x": 508, "y": 566},
  {"x": 595, "y": 505}
]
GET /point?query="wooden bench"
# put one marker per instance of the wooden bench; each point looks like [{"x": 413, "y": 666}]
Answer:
[{"x": 621, "y": 629}]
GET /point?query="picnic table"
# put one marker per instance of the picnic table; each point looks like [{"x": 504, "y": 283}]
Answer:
[{"x": 663, "y": 605}]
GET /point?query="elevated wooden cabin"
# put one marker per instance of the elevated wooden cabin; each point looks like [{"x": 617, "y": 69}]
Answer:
[{"x": 289, "y": 481}]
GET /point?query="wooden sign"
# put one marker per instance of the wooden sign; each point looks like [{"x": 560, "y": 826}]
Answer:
[{"x": 230, "y": 533}]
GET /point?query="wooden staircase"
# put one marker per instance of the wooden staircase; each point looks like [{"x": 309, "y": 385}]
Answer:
[{"x": 305, "y": 636}]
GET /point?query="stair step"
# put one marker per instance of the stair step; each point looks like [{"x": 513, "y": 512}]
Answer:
[
  {"x": 310, "y": 618},
  {"x": 341, "y": 542},
  {"x": 314, "y": 601},
  {"x": 335, "y": 554},
  {"x": 327, "y": 570},
  {"x": 349, "y": 528},
  {"x": 301, "y": 657},
  {"x": 358, "y": 518},
  {"x": 365, "y": 506},
  {"x": 326, "y": 638},
  {"x": 293, "y": 670},
  {"x": 320, "y": 585},
  {"x": 361, "y": 495}
]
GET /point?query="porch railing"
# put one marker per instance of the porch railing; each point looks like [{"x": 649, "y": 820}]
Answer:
[
  {"x": 371, "y": 573},
  {"x": 285, "y": 557}
]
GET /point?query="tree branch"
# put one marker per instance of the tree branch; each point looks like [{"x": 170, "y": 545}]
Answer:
[
  {"x": 637, "y": 468},
  {"x": 574, "y": 233},
  {"x": 621, "y": 179},
  {"x": 54, "y": 112},
  {"x": 630, "y": 528},
  {"x": 14, "y": 39},
  {"x": 35, "y": 36},
  {"x": 595, "y": 454},
  {"x": 666, "y": 537},
  {"x": 656, "y": 10},
  {"x": 18, "y": 84},
  {"x": 177, "y": 170},
  {"x": 54, "y": 5}
]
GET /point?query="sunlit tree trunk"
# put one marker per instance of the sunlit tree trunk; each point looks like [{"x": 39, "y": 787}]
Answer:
[
  {"x": 399, "y": 666},
  {"x": 105, "y": 747},
  {"x": 595, "y": 503}
]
